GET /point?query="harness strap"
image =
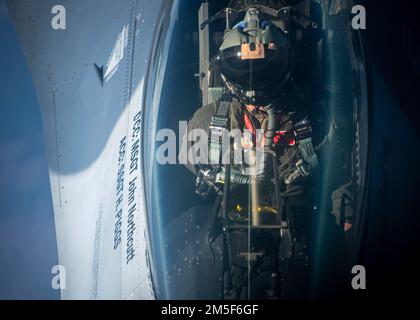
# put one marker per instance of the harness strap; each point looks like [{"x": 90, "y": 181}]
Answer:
[{"x": 218, "y": 125}]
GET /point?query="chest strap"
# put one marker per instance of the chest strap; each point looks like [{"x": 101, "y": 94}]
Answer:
[{"x": 218, "y": 126}]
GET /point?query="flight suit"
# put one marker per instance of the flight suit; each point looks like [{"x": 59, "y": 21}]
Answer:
[
  {"x": 300, "y": 193},
  {"x": 296, "y": 196}
]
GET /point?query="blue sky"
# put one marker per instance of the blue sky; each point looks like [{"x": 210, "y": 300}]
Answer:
[{"x": 27, "y": 236}]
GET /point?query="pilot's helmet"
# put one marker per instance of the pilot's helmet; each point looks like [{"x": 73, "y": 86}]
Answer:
[{"x": 255, "y": 59}]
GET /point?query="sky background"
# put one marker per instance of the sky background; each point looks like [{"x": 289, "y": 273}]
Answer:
[{"x": 28, "y": 248}]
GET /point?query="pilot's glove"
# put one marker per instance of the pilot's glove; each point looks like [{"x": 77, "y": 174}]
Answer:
[
  {"x": 292, "y": 166},
  {"x": 343, "y": 205},
  {"x": 207, "y": 180}
]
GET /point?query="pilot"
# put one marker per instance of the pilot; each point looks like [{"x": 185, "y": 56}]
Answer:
[{"x": 255, "y": 63}]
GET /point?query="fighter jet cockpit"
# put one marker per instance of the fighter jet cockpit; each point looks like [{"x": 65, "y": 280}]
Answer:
[{"x": 266, "y": 103}]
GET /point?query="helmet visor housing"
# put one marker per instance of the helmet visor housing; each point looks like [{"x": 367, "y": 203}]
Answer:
[{"x": 255, "y": 60}]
